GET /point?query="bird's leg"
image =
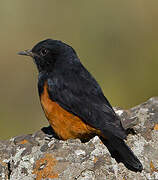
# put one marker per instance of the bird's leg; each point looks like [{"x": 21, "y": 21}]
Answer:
[{"x": 49, "y": 132}]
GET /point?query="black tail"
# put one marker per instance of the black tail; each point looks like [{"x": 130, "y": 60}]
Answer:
[{"x": 122, "y": 153}]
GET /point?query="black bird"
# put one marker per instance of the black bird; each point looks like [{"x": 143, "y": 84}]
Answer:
[{"x": 74, "y": 103}]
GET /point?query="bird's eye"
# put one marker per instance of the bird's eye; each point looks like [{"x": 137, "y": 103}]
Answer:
[{"x": 43, "y": 52}]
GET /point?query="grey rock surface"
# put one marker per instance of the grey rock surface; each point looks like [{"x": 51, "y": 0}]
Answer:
[{"x": 33, "y": 156}]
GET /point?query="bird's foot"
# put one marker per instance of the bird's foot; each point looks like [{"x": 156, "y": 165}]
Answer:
[
  {"x": 48, "y": 137},
  {"x": 49, "y": 132}
]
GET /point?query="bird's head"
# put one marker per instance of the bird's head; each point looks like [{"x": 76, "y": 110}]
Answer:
[{"x": 49, "y": 52}]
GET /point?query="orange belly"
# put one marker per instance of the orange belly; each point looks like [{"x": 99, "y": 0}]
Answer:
[{"x": 65, "y": 124}]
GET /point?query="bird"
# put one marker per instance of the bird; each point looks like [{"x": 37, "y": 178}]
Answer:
[{"x": 74, "y": 103}]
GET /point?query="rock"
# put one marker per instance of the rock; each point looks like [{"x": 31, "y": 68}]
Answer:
[{"x": 33, "y": 156}]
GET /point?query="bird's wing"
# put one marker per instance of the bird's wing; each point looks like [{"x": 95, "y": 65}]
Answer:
[{"x": 82, "y": 96}]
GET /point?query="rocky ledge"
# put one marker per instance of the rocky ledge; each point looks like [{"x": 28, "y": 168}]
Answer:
[{"x": 34, "y": 156}]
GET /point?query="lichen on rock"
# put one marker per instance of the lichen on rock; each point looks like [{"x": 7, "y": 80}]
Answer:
[{"x": 33, "y": 156}]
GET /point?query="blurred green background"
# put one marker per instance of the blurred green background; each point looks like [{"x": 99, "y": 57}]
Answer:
[{"x": 116, "y": 40}]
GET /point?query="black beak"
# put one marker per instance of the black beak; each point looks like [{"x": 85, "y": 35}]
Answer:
[{"x": 26, "y": 53}]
